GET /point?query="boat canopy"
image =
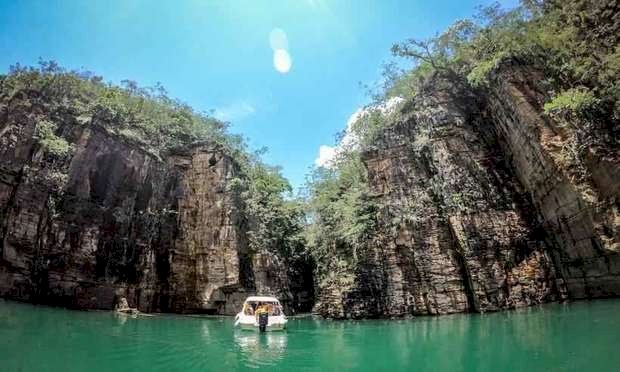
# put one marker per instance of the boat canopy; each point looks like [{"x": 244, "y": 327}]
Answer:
[{"x": 261, "y": 299}]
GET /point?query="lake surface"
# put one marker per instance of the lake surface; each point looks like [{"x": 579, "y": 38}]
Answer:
[{"x": 556, "y": 337}]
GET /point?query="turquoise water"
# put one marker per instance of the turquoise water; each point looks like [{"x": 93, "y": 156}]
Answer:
[{"x": 571, "y": 337}]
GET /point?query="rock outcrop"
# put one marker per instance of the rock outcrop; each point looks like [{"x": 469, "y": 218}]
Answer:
[
  {"x": 111, "y": 220},
  {"x": 477, "y": 209},
  {"x": 476, "y": 212},
  {"x": 580, "y": 215}
]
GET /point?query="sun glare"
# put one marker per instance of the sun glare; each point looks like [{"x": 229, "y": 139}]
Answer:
[
  {"x": 282, "y": 61},
  {"x": 279, "y": 44}
]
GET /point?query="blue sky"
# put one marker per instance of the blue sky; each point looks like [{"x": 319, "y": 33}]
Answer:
[{"x": 216, "y": 55}]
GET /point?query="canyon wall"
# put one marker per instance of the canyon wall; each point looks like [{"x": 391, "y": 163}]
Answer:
[
  {"x": 477, "y": 212},
  {"x": 111, "y": 220},
  {"x": 477, "y": 209},
  {"x": 577, "y": 208}
]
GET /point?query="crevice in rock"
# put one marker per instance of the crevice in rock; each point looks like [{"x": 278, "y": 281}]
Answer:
[{"x": 473, "y": 304}]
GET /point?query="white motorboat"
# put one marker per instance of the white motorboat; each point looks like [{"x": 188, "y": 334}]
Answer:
[{"x": 262, "y": 313}]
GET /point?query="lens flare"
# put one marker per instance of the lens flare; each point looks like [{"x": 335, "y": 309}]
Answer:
[
  {"x": 282, "y": 61},
  {"x": 278, "y": 39}
]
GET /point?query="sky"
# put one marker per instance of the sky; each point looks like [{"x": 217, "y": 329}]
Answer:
[{"x": 285, "y": 74}]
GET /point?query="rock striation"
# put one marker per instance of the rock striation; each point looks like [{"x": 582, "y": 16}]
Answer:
[
  {"x": 477, "y": 213},
  {"x": 580, "y": 215},
  {"x": 112, "y": 222},
  {"x": 477, "y": 210}
]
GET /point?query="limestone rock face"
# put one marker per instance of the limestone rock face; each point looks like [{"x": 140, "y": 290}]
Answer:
[
  {"x": 477, "y": 210},
  {"x": 111, "y": 221},
  {"x": 579, "y": 212},
  {"x": 476, "y": 213}
]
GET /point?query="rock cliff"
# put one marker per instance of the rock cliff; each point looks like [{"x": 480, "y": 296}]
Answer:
[
  {"x": 110, "y": 220},
  {"x": 477, "y": 212},
  {"x": 578, "y": 212},
  {"x": 476, "y": 208}
]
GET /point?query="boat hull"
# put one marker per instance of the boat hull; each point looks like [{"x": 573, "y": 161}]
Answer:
[
  {"x": 269, "y": 328},
  {"x": 249, "y": 323},
  {"x": 267, "y": 308}
]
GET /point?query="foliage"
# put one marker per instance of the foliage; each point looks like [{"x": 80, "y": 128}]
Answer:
[
  {"x": 370, "y": 125},
  {"x": 341, "y": 209},
  {"x": 157, "y": 123},
  {"x": 341, "y": 213},
  {"x": 53, "y": 144},
  {"x": 275, "y": 220},
  {"x": 478, "y": 76},
  {"x": 145, "y": 115},
  {"x": 574, "y": 100},
  {"x": 575, "y": 45}
]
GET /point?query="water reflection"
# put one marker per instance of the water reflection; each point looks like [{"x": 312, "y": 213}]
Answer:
[
  {"x": 260, "y": 349},
  {"x": 580, "y": 336}
]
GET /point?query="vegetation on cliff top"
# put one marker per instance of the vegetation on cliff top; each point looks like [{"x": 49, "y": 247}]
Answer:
[
  {"x": 275, "y": 219},
  {"x": 574, "y": 43},
  {"x": 150, "y": 119},
  {"x": 147, "y": 116}
]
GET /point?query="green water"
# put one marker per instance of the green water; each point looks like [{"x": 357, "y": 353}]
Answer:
[{"x": 579, "y": 336}]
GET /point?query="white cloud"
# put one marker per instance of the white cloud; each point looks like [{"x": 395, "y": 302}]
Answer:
[
  {"x": 389, "y": 105},
  {"x": 326, "y": 156},
  {"x": 349, "y": 140},
  {"x": 235, "y": 111}
]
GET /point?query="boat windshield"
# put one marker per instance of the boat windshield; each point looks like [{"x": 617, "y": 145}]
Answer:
[{"x": 271, "y": 308}]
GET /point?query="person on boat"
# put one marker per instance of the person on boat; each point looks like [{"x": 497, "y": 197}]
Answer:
[
  {"x": 261, "y": 309},
  {"x": 277, "y": 310},
  {"x": 248, "y": 310}
]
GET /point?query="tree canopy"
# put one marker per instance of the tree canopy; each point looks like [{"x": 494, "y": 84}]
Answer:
[
  {"x": 158, "y": 123},
  {"x": 575, "y": 44}
]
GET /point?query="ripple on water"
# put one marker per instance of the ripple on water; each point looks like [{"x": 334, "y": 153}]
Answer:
[
  {"x": 36, "y": 338},
  {"x": 260, "y": 349}
]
